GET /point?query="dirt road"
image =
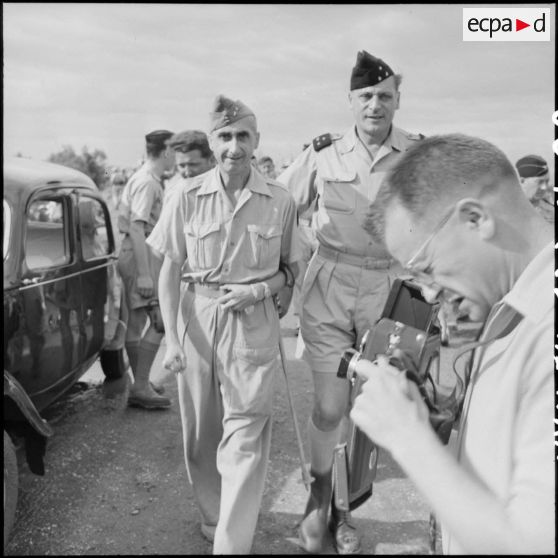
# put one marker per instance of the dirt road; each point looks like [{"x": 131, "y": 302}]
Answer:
[{"x": 115, "y": 482}]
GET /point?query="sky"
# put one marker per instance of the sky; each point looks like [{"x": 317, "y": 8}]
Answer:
[{"x": 104, "y": 75}]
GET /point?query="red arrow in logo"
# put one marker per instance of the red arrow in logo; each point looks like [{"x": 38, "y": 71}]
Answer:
[{"x": 519, "y": 25}]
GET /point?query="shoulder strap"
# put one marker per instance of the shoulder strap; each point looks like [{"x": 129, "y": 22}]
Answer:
[{"x": 322, "y": 141}]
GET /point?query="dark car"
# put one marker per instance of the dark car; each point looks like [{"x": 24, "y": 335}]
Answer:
[{"x": 59, "y": 271}]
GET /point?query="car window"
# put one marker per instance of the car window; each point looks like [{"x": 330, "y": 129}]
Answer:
[
  {"x": 46, "y": 235},
  {"x": 7, "y": 227},
  {"x": 93, "y": 228}
]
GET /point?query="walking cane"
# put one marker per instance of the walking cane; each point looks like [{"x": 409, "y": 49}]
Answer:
[{"x": 306, "y": 477}]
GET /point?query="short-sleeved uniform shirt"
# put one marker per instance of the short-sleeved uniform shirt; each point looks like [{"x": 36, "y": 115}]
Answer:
[
  {"x": 506, "y": 434},
  {"x": 345, "y": 179},
  {"x": 222, "y": 243},
  {"x": 142, "y": 200}
]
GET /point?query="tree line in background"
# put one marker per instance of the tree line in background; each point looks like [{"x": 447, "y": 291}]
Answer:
[{"x": 92, "y": 163}]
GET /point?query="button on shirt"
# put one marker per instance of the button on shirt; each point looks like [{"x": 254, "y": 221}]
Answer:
[
  {"x": 345, "y": 178},
  {"x": 506, "y": 435},
  {"x": 223, "y": 243},
  {"x": 142, "y": 200}
]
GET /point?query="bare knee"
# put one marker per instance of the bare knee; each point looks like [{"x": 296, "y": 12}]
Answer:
[
  {"x": 331, "y": 398},
  {"x": 137, "y": 319},
  {"x": 327, "y": 414}
]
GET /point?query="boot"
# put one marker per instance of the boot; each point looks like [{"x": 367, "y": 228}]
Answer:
[
  {"x": 313, "y": 527},
  {"x": 345, "y": 535}
]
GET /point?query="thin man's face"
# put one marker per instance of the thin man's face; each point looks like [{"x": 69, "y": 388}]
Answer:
[{"x": 233, "y": 146}]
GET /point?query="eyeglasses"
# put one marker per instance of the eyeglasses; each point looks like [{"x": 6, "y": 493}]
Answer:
[
  {"x": 411, "y": 263},
  {"x": 431, "y": 290}
]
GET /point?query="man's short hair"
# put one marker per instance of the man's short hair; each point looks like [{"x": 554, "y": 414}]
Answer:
[
  {"x": 189, "y": 140},
  {"x": 265, "y": 159},
  {"x": 436, "y": 170},
  {"x": 156, "y": 142}
]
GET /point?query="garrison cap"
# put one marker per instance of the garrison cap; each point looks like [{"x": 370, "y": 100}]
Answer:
[
  {"x": 158, "y": 137},
  {"x": 226, "y": 111},
  {"x": 531, "y": 165},
  {"x": 368, "y": 71}
]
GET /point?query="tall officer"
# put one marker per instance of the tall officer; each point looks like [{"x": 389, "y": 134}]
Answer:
[{"x": 349, "y": 276}]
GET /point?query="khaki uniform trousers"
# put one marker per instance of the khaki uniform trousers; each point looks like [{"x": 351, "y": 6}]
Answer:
[
  {"x": 340, "y": 302},
  {"x": 225, "y": 397}
]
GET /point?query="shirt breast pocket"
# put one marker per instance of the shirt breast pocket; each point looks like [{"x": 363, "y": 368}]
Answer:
[
  {"x": 264, "y": 246},
  {"x": 203, "y": 245},
  {"x": 339, "y": 193}
]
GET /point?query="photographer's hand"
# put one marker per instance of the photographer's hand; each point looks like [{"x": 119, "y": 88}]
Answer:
[{"x": 389, "y": 409}]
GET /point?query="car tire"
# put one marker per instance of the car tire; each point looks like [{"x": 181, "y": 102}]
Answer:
[
  {"x": 10, "y": 486},
  {"x": 113, "y": 363}
]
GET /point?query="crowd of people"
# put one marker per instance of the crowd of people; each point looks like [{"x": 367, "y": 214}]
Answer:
[{"x": 209, "y": 235}]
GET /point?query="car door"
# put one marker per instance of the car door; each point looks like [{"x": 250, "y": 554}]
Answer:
[
  {"x": 98, "y": 261},
  {"x": 52, "y": 335}
]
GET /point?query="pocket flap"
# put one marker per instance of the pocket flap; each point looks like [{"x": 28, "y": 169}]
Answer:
[
  {"x": 341, "y": 177},
  {"x": 200, "y": 230},
  {"x": 265, "y": 231}
]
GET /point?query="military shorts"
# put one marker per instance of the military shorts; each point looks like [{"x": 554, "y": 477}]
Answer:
[
  {"x": 128, "y": 270},
  {"x": 340, "y": 302}
]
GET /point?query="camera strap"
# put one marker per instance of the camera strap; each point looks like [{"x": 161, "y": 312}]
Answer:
[{"x": 502, "y": 320}]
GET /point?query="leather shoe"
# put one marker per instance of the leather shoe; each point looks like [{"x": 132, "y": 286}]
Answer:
[
  {"x": 149, "y": 401},
  {"x": 208, "y": 532},
  {"x": 345, "y": 535}
]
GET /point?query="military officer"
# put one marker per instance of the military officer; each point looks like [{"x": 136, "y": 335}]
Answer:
[
  {"x": 349, "y": 277},
  {"x": 534, "y": 178},
  {"x": 226, "y": 232}
]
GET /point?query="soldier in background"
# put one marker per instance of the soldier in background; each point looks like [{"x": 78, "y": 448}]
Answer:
[
  {"x": 534, "y": 179},
  {"x": 140, "y": 208},
  {"x": 349, "y": 276},
  {"x": 267, "y": 167},
  {"x": 192, "y": 156}
]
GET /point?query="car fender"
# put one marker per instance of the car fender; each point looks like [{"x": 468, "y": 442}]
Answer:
[
  {"x": 24, "y": 420},
  {"x": 14, "y": 391}
]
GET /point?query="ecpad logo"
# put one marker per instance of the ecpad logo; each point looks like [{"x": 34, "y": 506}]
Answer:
[{"x": 506, "y": 24}]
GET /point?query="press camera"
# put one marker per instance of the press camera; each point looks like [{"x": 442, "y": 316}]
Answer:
[{"x": 407, "y": 334}]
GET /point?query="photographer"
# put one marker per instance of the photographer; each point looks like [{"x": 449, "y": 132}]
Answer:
[{"x": 453, "y": 212}]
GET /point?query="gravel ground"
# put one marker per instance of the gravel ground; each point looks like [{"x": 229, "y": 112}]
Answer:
[{"x": 115, "y": 481}]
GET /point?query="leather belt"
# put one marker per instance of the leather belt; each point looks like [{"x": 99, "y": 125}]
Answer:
[
  {"x": 209, "y": 290},
  {"x": 367, "y": 262}
]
